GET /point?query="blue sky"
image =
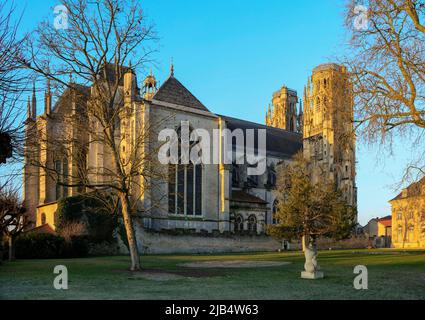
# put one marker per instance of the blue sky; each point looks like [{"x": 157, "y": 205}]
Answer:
[{"x": 233, "y": 54}]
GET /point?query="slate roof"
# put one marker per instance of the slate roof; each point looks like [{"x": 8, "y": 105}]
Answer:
[
  {"x": 172, "y": 91},
  {"x": 110, "y": 73},
  {"x": 280, "y": 143},
  {"x": 415, "y": 189},
  {"x": 242, "y": 196},
  {"x": 65, "y": 101}
]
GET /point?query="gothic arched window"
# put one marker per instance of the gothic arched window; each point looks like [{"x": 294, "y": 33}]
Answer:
[
  {"x": 235, "y": 176},
  {"x": 238, "y": 223},
  {"x": 271, "y": 176},
  {"x": 318, "y": 104},
  {"x": 252, "y": 223},
  {"x": 274, "y": 211}
]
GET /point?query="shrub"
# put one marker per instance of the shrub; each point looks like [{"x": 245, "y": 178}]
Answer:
[
  {"x": 48, "y": 246},
  {"x": 39, "y": 246},
  {"x": 90, "y": 210},
  {"x": 76, "y": 247},
  {"x": 73, "y": 229}
]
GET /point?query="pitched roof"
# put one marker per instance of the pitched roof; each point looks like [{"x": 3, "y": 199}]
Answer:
[
  {"x": 386, "y": 221},
  {"x": 280, "y": 143},
  {"x": 172, "y": 91},
  {"x": 65, "y": 100},
  {"x": 415, "y": 189},
  {"x": 109, "y": 71}
]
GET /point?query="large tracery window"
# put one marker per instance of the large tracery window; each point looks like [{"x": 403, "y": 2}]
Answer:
[{"x": 185, "y": 188}]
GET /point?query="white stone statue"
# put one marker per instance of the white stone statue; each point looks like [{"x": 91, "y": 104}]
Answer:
[{"x": 312, "y": 268}]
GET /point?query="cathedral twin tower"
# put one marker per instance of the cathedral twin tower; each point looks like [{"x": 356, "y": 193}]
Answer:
[{"x": 325, "y": 120}]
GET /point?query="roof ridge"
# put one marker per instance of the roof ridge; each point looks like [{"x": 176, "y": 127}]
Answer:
[
  {"x": 173, "y": 91},
  {"x": 262, "y": 125}
]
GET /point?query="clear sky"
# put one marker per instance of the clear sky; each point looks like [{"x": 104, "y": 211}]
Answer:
[{"x": 232, "y": 54}]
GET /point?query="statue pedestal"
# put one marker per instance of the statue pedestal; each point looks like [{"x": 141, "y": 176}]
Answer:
[{"x": 312, "y": 275}]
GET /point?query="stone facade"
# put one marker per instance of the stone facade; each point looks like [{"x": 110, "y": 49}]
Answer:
[{"x": 408, "y": 217}]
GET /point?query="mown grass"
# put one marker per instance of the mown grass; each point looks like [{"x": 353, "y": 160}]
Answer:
[{"x": 392, "y": 275}]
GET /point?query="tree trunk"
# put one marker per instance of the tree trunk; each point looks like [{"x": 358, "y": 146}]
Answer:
[
  {"x": 131, "y": 238},
  {"x": 11, "y": 249}
]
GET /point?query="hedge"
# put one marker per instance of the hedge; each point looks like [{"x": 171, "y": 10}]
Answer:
[{"x": 49, "y": 246}]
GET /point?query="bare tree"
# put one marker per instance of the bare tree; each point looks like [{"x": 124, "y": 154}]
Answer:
[
  {"x": 387, "y": 63},
  {"x": 12, "y": 217},
  {"x": 101, "y": 39},
  {"x": 12, "y": 83}
]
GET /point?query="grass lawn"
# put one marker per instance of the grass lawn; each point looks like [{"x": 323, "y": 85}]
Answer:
[{"x": 392, "y": 275}]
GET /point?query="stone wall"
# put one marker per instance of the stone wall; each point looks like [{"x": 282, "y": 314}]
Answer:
[{"x": 164, "y": 243}]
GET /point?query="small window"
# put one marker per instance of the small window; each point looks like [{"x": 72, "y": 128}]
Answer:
[
  {"x": 238, "y": 224},
  {"x": 410, "y": 235},
  {"x": 400, "y": 234},
  {"x": 43, "y": 219},
  {"x": 252, "y": 224},
  {"x": 399, "y": 216}
]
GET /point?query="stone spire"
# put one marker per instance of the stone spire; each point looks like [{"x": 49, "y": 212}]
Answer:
[
  {"x": 48, "y": 99},
  {"x": 172, "y": 68},
  {"x": 33, "y": 103},
  {"x": 29, "y": 113}
]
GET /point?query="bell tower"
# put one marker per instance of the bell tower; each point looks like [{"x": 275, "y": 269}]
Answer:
[
  {"x": 328, "y": 132},
  {"x": 282, "y": 113},
  {"x": 149, "y": 86}
]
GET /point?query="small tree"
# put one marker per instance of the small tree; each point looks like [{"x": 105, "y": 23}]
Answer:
[
  {"x": 12, "y": 218},
  {"x": 307, "y": 211}
]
